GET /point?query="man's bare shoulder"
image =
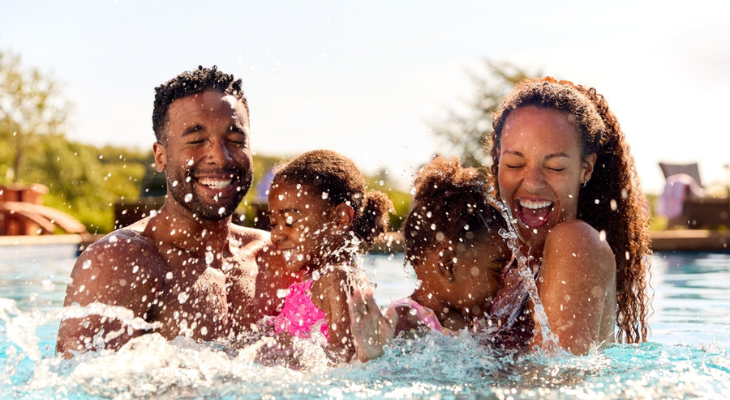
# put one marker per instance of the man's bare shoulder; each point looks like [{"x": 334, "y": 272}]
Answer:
[{"x": 125, "y": 258}]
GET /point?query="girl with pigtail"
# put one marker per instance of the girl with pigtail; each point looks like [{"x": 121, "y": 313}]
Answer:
[{"x": 321, "y": 219}]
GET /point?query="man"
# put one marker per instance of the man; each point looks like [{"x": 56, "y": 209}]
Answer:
[{"x": 187, "y": 270}]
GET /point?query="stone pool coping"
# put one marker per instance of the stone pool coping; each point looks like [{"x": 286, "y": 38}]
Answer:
[{"x": 676, "y": 240}]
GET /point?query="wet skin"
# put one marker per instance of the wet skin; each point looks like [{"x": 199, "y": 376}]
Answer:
[
  {"x": 457, "y": 282},
  {"x": 540, "y": 171},
  {"x": 312, "y": 231},
  {"x": 188, "y": 268}
]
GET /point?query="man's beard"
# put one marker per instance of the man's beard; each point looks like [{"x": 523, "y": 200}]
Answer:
[{"x": 185, "y": 195}]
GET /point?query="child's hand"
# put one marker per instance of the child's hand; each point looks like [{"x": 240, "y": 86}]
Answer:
[{"x": 370, "y": 329}]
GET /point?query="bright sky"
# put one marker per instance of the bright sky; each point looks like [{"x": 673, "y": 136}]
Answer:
[{"x": 366, "y": 78}]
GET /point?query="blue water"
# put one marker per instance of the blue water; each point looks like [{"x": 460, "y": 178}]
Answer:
[{"x": 686, "y": 357}]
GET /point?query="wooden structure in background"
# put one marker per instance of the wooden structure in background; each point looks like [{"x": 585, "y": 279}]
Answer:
[{"x": 22, "y": 213}]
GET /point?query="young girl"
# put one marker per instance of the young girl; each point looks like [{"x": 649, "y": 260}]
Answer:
[
  {"x": 320, "y": 218},
  {"x": 452, "y": 240}
]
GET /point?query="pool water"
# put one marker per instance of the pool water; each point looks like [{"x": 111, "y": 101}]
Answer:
[{"x": 686, "y": 357}]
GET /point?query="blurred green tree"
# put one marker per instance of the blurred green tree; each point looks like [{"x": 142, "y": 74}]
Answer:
[
  {"x": 30, "y": 105},
  {"x": 83, "y": 180},
  {"x": 466, "y": 131}
]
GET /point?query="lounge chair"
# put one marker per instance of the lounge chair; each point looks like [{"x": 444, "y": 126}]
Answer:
[{"x": 696, "y": 210}]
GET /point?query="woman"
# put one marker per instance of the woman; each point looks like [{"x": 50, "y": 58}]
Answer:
[{"x": 563, "y": 168}]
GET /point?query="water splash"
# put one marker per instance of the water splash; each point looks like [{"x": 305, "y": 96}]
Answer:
[{"x": 549, "y": 339}]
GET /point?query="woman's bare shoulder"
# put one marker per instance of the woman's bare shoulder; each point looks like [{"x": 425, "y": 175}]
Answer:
[{"x": 577, "y": 236}]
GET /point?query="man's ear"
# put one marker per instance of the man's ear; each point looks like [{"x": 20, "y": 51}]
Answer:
[
  {"x": 588, "y": 163},
  {"x": 344, "y": 214},
  {"x": 160, "y": 156},
  {"x": 447, "y": 263}
]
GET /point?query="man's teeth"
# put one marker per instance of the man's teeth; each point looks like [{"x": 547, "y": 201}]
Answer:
[
  {"x": 215, "y": 183},
  {"x": 534, "y": 205}
]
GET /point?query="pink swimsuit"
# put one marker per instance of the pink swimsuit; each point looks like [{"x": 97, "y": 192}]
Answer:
[{"x": 299, "y": 313}]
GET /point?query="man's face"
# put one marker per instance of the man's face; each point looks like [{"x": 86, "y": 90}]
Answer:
[{"x": 206, "y": 154}]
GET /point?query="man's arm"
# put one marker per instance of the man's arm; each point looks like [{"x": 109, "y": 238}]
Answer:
[{"x": 122, "y": 269}]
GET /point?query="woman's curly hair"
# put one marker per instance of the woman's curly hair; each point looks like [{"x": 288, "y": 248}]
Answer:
[
  {"x": 326, "y": 171},
  {"x": 450, "y": 203},
  {"x": 611, "y": 201}
]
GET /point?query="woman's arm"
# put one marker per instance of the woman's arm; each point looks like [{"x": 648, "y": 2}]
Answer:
[{"x": 577, "y": 287}]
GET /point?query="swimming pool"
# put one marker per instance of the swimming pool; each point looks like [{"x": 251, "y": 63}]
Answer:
[{"x": 687, "y": 355}]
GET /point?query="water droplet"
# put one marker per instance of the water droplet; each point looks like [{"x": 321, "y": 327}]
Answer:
[
  {"x": 135, "y": 269},
  {"x": 168, "y": 276},
  {"x": 182, "y": 297},
  {"x": 86, "y": 264},
  {"x": 287, "y": 255},
  {"x": 222, "y": 210},
  {"x": 289, "y": 220},
  {"x": 413, "y": 191},
  {"x": 381, "y": 183},
  {"x": 187, "y": 179},
  {"x": 190, "y": 162},
  {"x": 602, "y": 236},
  {"x": 204, "y": 330},
  {"x": 113, "y": 239},
  {"x": 325, "y": 195},
  {"x": 433, "y": 227},
  {"x": 209, "y": 258},
  {"x": 281, "y": 197},
  {"x": 614, "y": 205},
  {"x": 188, "y": 197},
  {"x": 174, "y": 183},
  {"x": 428, "y": 214}
]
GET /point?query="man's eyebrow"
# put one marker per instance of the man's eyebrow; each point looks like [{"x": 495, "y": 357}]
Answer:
[
  {"x": 237, "y": 129},
  {"x": 192, "y": 129},
  {"x": 514, "y": 152}
]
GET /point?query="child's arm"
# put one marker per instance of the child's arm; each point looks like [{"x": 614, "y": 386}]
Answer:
[
  {"x": 370, "y": 329},
  {"x": 329, "y": 293}
]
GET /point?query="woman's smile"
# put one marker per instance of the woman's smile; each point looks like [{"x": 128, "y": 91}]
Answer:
[{"x": 540, "y": 170}]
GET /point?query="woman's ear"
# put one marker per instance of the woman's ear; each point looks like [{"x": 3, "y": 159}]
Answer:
[
  {"x": 344, "y": 214},
  {"x": 588, "y": 163},
  {"x": 160, "y": 156},
  {"x": 447, "y": 264}
]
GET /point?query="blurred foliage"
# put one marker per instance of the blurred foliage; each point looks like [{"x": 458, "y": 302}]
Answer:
[
  {"x": 657, "y": 222},
  {"x": 83, "y": 180},
  {"x": 466, "y": 131},
  {"x": 381, "y": 181}
]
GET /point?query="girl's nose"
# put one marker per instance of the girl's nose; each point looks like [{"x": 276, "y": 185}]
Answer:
[{"x": 277, "y": 235}]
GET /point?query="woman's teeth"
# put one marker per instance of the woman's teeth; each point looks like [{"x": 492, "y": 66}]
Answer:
[{"x": 534, "y": 205}]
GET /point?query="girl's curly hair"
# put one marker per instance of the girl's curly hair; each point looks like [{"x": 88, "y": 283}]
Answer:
[
  {"x": 611, "y": 201},
  {"x": 450, "y": 203}
]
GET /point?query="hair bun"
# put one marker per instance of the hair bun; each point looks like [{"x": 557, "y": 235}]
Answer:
[{"x": 374, "y": 219}]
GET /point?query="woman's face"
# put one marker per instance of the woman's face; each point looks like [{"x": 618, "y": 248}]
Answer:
[
  {"x": 299, "y": 224},
  {"x": 540, "y": 170}
]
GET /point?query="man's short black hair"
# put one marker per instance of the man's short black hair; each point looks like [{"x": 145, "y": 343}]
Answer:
[{"x": 189, "y": 83}]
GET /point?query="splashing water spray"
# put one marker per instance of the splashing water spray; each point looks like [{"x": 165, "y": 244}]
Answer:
[{"x": 549, "y": 339}]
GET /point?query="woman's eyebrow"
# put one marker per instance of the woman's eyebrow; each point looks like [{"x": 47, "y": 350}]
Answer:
[
  {"x": 514, "y": 152},
  {"x": 557, "y": 155}
]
